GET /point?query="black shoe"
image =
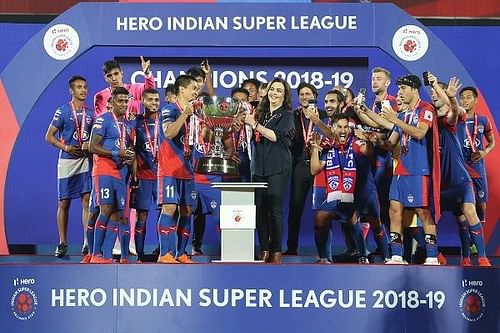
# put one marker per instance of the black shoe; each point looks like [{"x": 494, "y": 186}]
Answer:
[
  {"x": 290, "y": 253},
  {"x": 61, "y": 250},
  {"x": 85, "y": 249},
  {"x": 363, "y": 260},
  {"x": 156, "y": 251}
]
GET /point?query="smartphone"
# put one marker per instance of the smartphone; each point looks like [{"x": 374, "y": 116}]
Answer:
[
  {"x": 311, "y": 103},
  {"x": 425, "y": 76},
  {"x": 361, "y": 96},
  {"x": 386, "y": 104},
  {"x": 378, "y": 105}
]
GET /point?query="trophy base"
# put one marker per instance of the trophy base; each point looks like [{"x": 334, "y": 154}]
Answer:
[{"x": 217, "y": 166}]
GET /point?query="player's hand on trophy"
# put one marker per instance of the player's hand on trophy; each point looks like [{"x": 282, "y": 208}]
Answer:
[
  {"x": 145, "y": 65},
  {"x": 249, "y": 120},
  {"x": 188, "y": 110}
]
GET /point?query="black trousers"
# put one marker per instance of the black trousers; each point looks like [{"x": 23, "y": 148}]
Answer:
[
  {"x": 301, "y": 184},
  {"x": 269, "y": 203}
]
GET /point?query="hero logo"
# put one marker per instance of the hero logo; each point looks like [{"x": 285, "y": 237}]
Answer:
[
  {"x": 410, "y": 42},
  {"x": 24, "y": 300},
  {"x": 61, "y": 42}
]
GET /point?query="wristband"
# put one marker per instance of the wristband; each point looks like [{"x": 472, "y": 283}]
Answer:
[{"x": 114, "y": 153}]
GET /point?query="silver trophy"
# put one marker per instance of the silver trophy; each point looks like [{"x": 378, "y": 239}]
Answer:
[{"x": 218, "y": 114}]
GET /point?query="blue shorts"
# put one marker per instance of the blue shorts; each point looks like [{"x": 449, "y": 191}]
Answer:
[
  {"x": 481, "y": 189},
  {"x": 411, "y": 191},
  {"x": 110, "y": 191},
  {"x": 142, "y": 197},
  {"x": 367, "y": 205},
  {"x": 453, "y": 197},
  {"x": 343, "y": 211},
  {"x": 74, "y": 187},
  {"x": 175, "y": 191},
  {"x": 208, "y": 197}
]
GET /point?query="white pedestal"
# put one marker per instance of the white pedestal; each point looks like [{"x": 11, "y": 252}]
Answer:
[{"x": 237, "y": 221}]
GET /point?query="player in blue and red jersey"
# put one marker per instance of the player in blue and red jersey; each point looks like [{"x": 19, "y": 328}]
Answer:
[
  {"x": 457, "y": 188},
  {"x": 340, "y": 165},
  {"x": 73, "y": 122},
  {"x": 175, "y": 172},
  {"x": 473, "y": 130},
  {"x": 109, "y": 142},
  {"x": 146, "y": 146},
  {"x": 417, "y": 163}
]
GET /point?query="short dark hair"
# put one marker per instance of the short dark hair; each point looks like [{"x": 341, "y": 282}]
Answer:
[
  {"x": 337, "y": 116},
  {"x": 170, "y": 89},
  {"x": 240, "y": 90},
  {"x": 75, "y": 78},
  {"x": 340, "y": 95},
  {"x": 149, "y": 91},
  {"x": 110, "y": 65},
  {"x": 474, "y": 91},
  {"x": 303, "y": 85},
  {"x": 183, "y": 81},
  {"x": 196, "y": 72},
  {"x": 119, "y": 91},
  {"x": 255, "y": 82}
]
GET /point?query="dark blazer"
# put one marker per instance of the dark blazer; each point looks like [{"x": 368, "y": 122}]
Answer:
[{"x": 273, "y": 157}]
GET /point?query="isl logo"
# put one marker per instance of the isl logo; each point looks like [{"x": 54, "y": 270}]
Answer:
[
  {"x": 24, "y": 303},
  {"x": 61, "y": 41},
  {"x": 472, "y": 305},
  {"x": 410, "y": 42}
]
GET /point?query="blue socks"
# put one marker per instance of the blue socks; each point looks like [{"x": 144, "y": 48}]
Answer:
[
  {"x": 476, "y": 233},
  {"x": 166, "y": 234},
  {"x": 183, "y": 231},
  {"x": 463, "y": 231}
]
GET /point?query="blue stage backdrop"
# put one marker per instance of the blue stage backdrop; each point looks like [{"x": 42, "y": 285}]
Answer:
[
  {"x": 325, "y": 44},
  {"x": 248, "y": 298}
]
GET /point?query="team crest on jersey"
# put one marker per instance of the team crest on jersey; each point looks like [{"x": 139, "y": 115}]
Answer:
[
  {"x": 213, "y": 204},
  {"x": 117, "y": 144},
  {"x": 85, "y": 136},
  {"x": 410, "y": 198},
  {"x": 348, "y": 183},
  {"x": 415, "y": 119},
  {"x": 333, "y": 182},
  {"x": 480, "y": 128},
  {"x": 193, "y": 195},
  {"x": 481, "y": 194}
]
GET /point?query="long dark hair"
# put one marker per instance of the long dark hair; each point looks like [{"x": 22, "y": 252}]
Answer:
[{"x": 264, "y": 105}]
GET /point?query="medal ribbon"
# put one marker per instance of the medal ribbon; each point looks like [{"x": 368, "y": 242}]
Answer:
[
  {"x": 472, "y": 139},
  {"x": 79, "y": 129}
]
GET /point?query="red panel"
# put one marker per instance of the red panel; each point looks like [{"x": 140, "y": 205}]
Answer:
[
  {"x": 440, "y": 8},
  {"x": 9, "y": 128}
]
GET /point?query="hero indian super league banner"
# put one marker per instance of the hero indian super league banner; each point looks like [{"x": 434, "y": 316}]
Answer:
[
  {"x": 248, "y": 298},
  {"x": 315, "y": 31}
]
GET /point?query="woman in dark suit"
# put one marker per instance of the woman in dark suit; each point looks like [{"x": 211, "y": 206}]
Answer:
[{"x": 274, "y": 129}]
